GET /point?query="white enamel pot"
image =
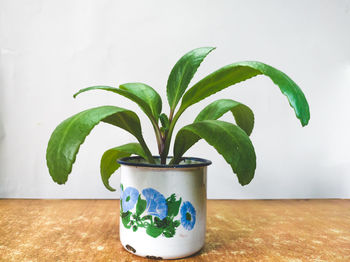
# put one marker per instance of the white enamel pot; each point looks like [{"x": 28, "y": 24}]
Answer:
[{"x": 163, "y": 208}]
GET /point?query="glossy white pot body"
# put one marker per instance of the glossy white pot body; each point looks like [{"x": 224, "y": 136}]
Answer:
[{"x": 163, "y": 209}]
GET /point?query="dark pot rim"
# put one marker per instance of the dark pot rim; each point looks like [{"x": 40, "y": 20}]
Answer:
[{"x": 199, "y": 162}]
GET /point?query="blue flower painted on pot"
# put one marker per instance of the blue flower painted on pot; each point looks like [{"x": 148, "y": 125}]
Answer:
[
  {"x": 129, "y": 198},
  {"x": 156, "y": 203},
  {"x": 188, "y": 215}
]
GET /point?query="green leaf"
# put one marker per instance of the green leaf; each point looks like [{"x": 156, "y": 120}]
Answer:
[
  {"x": 147, "y": 94},
  {"x": 140, "y": 206},
  {"x": 182, "y": 73},
  {"x": 66, "y": 139},
  {"x": 229, "y": 140},
  {"x": 169, "y": 231},
  {"x": 237, "y": 72},
  {"x": 154, "y": 231},
  {"x": 173, "y": 206},
  {"x": 243, "y": 114},
  {"x": 164, "y": 121},
  {"x": 121, "y": 205},
  {"x": 147, "y": 217},
  {"x": 109, "y": 159},
  {"x": 176, "y": 223},
  {"x": 147, "y": 99},
  {"x": 161, "y": 223},
  {"x": 126, "y": 219}
]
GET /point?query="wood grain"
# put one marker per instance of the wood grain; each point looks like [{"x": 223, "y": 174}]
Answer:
[{"x": 237, "y": 230}]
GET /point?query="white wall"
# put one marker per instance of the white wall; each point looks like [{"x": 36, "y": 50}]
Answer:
[{"x": 51, "y": 49}]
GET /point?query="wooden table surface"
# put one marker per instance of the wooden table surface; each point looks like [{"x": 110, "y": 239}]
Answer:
[{"x": 237, "y": 230}]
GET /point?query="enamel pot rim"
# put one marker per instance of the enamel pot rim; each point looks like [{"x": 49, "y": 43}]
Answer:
[{"x": 198, "y": 162}]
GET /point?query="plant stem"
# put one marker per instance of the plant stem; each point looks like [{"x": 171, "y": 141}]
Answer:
[
  {"x": 171, "y": 115},
  {"x": 148, "y": 153},
  {"x": 165, "y": 152},
  {"x": 158, "y": 137}
]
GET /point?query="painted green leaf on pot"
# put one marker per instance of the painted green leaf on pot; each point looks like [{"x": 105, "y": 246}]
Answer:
[
  {"x": 109, "y": 159},
  {"x": 140, "y": 206},
  {"x": 126, "y": 219},
  {"x": 168, "y": 226},
  {"x": 182, "y": 73},
  {"x": 169, "y": 231},
  {"x": 241, "y": 71},
  {"x": 228, "y": 139},
  {"x": 243, "y": 115},
  {"x": 66, "y": 139},
  {"x": 173, "y": 205},
  {"x": 177, "y": 223},
  {"x": 154, "y": 231}
]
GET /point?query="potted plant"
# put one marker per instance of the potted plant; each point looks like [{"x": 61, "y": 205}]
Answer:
[{"x": 163, "y": 199}]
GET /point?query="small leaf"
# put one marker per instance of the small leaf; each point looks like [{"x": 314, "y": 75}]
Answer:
[
  {"x": 229, "y": 140},
  {"x": 243, "y": 115},
  {"x": 164, "y": 121},
  {"x": 109, "y": 159},
  {"x": 66, "y": 139},
  {"x": 182, "y": 73},
  {"x": 140, "y": 206},
  {"x": 241, "y": 71}
]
